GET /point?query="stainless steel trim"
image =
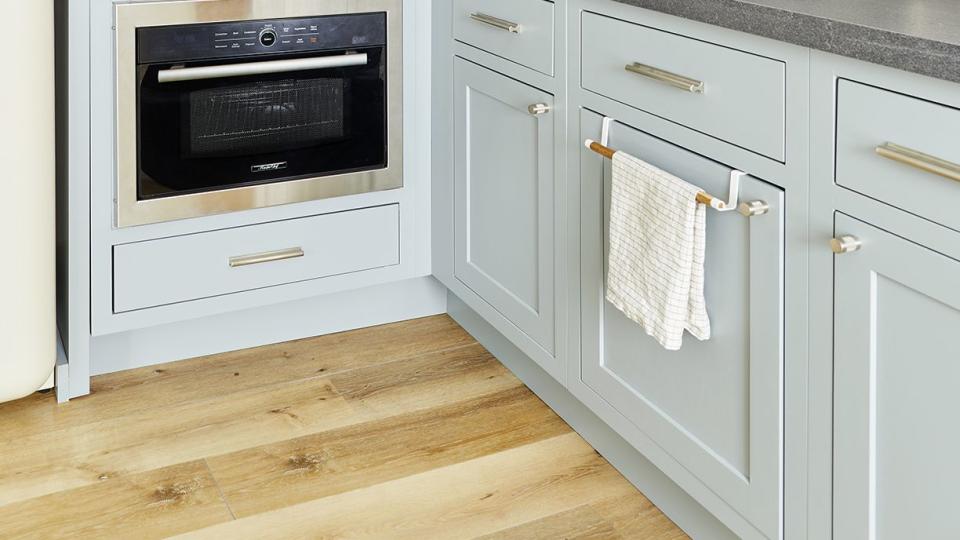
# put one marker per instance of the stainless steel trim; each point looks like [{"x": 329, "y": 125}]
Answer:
[
  {"x": 919, "y": 160},
  {"x": 677, "y": 81},
  {"x": 260, "y": 68},
  {"x": 270, "y": 256},
  {"x": 497, "y": 22},
  {"x": 130, "y": 16}
]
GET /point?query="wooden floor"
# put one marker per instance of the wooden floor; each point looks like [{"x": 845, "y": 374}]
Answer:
[{"x": 411, "y": 430}]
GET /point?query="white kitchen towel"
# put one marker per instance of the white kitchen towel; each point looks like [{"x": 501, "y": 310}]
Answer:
[{"x": 658, "y": 238}]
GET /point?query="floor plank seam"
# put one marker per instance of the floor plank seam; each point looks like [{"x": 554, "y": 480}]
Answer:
[{"x": 216, "y": 484}]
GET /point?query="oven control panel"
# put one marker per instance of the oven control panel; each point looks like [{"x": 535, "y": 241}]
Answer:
[{"x": 173, "y": 44}]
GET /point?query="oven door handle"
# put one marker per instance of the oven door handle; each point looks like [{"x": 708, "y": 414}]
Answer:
[{"x": 260, "y": 68}]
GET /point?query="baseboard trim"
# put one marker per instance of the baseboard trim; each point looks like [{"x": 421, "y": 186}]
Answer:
[
  {"x": 651, "y": 481},
  {"x": 339, "y": 312}
]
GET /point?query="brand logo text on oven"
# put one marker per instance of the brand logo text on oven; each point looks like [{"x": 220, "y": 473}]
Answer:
[{"x": 267, "y": 167}]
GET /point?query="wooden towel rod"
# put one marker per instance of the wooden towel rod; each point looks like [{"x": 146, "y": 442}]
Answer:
[{"x": 702, "y": 197}]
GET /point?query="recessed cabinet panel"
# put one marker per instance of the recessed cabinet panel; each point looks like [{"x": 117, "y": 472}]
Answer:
[
  {"x": 715, "y": 406},
  {"x": 897, "y": 371},
  {"x": 504, "y": 197}
]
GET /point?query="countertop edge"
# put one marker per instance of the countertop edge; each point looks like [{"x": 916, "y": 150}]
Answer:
[{"x": 915, "y": 54}]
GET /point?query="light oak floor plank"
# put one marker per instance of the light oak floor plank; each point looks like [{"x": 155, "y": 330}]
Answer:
[
  {"x": 120, "y": 394},
  {"x": 464, "y": 500},
  {"x": 151, "y": 439},
  {"x": 613, "y": 518},
  {"x": 156, "y": 504},
  {"x": 308, "y": 468},
  {"x": 409, "y": 430}
]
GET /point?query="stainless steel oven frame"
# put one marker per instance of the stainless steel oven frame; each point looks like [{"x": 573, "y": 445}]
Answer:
[{"x": 128, "y": 17}]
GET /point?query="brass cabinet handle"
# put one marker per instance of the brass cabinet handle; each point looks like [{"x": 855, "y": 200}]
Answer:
[
  {"x": 753, "y": 208},
  {"x": 538, "y": 109},
  {"x": 677, "y": 81},
  {"x": 496, "y": 22},
  {"x": 845, "y": 244},
  {"x": 270, "y": 256},
  {"x": 919, "y": 160}
]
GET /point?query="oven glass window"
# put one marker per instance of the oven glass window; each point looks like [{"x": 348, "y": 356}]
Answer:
[{"x": 219, "y": 133}]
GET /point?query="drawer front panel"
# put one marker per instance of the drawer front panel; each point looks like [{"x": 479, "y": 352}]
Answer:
[
  {"x": 519, "y": 30},
  {"x": 913, "y": 134},
  {"x": 741, "y": 100},
  {"x": 184, "y": 268}
]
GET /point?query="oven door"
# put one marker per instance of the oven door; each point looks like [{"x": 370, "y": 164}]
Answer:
[
  {"x": 214, "y": 126},
  {"x": 203, "y": 137}
]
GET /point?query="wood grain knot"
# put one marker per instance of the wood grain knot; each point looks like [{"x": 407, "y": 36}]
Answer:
[
  {"x": 302, "y": 463},
  {"x": 176, "y": 493}
]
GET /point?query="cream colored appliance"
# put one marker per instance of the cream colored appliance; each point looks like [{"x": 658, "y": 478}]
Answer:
[{"x": 27, "y": 220}]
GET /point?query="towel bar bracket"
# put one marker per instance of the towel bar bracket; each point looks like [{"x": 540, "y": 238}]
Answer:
[
  {"x": 605, "y": 132},
  {"x": 733, "y": 199}
]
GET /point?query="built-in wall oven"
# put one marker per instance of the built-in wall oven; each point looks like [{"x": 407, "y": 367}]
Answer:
[{"x": 227, "y": 105}]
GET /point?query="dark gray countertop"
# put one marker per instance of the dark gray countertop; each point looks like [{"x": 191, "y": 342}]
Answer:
[{"x": 922, "y": 36}]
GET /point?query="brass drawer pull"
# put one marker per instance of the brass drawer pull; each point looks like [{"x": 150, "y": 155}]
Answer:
[
  {"x": 496, "y": 22},
  {"x": 753, "y": 208},
  {"x": 538, "y": 109},
  {"x": 677, "y": 81},
  {"x": 270, "y": 256},
  {"x": 919, "y": 160},
  {"x": 842, "y": 245}
]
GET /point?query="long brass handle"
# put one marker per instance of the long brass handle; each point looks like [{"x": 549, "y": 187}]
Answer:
[
  {"x": 270, "y": 256},
  {"x": 919, "y": 160},
  {"x": 497, "y": 22},
  {"x": 677, "y": 81}
]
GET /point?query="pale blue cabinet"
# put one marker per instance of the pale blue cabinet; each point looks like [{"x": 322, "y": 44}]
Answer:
[
  {"x": 896, "y": 374},
  {"x": 715, "y": 406},
  {"x": 504, "y": 197}
]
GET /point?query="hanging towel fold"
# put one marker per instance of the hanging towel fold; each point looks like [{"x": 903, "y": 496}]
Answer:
[{"x": 657, "y": 251}]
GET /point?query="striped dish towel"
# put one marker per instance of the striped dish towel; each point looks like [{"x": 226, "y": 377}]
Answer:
[{"x": 658, "y": 236}]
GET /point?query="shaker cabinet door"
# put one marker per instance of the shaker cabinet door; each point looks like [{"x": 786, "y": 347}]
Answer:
[
  {"x": 715, "y": 406},
  {"x": 504, "y": 197},
  {"x": 896, "y": 399}
]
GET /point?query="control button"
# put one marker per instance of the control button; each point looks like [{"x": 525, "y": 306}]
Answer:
[{"x": 268, "y": 38}]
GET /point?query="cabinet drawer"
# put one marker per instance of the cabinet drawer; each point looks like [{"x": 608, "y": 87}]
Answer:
[
  {"x": 741, "y": 100},
  {"x": 183, "y": 268},
  {"x": 519, "y": 30},
  {"x": 900, "y": 150}
]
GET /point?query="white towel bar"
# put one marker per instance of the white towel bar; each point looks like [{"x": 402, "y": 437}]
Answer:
[{"x": 753, "y": 208}]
